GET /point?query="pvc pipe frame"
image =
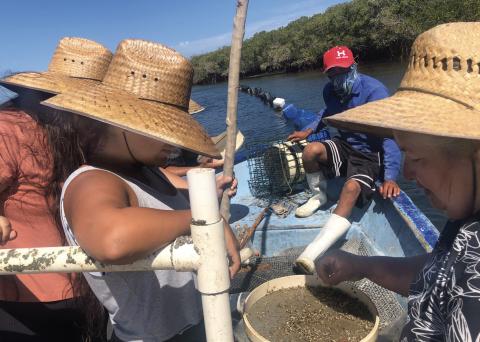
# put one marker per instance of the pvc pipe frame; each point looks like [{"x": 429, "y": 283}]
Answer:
[
  {"x": 178, "y": 255},
  {"x": 181, "y": 255},
  {"x": 208, "y": 234},
  {"x": 207, "y": 255}
]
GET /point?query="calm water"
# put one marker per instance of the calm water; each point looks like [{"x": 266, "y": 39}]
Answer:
[{"x": 258, "y": 121}]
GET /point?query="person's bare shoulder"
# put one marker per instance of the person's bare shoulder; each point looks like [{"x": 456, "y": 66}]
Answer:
[{"x": 94, "y": 189}]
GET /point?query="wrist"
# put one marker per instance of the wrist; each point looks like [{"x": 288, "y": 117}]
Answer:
[{"x": 361, "y": 265}]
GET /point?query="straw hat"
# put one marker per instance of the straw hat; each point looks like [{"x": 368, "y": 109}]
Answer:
[
  {"x": 220, "y": 142},
  {"x": 146, "y": 90},
  {"x": 439, "y": 94},
  {"x": 75, "y": 62},
  {"x": 194, "y": 107}
]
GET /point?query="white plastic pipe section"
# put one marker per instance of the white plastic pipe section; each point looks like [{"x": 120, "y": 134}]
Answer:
[
  {"x": 208, "y": 236},
  {"x": 179, "y": 255}
]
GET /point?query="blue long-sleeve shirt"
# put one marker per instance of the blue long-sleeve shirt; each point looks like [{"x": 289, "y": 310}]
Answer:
[{"x": 365, "y": 89}]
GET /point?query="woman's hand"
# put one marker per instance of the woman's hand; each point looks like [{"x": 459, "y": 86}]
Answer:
[
  {"x": 224, "y": 182},
  {"x": 7, "y": 233},
  {"x": 338, "y": 266},
  {"x": 233, "y": 249}
]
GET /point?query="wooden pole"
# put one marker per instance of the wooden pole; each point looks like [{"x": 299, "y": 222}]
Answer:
[
  {"x": 249, "y": 233},
  {"x": 233, "y": 84}
]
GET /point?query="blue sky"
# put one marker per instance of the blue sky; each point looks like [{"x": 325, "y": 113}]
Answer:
[{"x": 31, "y": 29}]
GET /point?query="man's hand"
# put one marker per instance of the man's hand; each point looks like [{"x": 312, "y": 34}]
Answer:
[
  {"x": 337, "y": 266},
  {"x": 389, "y": 189},
  {"x": 300, "y": 135}
]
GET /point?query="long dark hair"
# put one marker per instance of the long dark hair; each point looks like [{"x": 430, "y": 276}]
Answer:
[{"x": 69, "y": 150}]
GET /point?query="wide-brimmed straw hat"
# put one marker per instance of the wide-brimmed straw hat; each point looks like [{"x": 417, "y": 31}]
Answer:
[
  {"x": 75, "y": 62},
  {"x": 146, "y": 90},
  {"x": 439, "y": 94}
]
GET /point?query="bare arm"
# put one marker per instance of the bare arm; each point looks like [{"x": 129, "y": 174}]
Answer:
[
  {"x": 202, "y": 162},
  {"x": 176, "y": 178},
  {"x": 300, "y": 135},
  {"x": 179, "y": 171},
  {"x": 222, "y": 183},
  {"x": 108, "y": 224},
  {"x": 395, "y": 274}
]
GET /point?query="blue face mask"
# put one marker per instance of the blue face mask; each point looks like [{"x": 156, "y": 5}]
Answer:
[{"x": 343, "y": 83}]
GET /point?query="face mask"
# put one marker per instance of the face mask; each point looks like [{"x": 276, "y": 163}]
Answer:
[{"x": 343, "y": 83}]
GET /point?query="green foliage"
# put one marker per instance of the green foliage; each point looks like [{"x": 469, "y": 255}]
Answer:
[{"x": 373, "y": 29}]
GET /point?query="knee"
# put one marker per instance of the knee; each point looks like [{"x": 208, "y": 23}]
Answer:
[
  {"x": 314, "y": 152},
  {"x": 352, "y": 187}
]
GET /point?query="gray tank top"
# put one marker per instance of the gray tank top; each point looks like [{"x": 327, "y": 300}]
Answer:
[{"x": 144, "y": 306}]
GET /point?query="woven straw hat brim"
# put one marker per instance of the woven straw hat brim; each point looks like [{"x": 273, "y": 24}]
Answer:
[
  {"x": 55, "y": 84},
  {"x": 412, "y": 111},
  {"x": 46, "y": 81},
  {"x": 220, "y": 142},
  {"x": 162, "y": 122},
  {"x": 194, "y": 107}
]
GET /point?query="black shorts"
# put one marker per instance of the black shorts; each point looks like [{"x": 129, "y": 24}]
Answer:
[{"x": 345, "y": 161}]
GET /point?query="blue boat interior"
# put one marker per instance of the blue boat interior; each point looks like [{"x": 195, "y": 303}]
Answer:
[{"x": 391, "y": 227}]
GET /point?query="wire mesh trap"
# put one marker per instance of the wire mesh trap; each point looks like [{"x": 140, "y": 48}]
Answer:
[{"x": 276, "y": 167}]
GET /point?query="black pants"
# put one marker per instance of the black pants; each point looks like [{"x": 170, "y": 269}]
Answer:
[{"x": 49, "y": 322}]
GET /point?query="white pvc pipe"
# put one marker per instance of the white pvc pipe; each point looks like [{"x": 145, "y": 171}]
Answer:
[
  {"x": 202, "y": 189},
  {"x": 213, "y": 275},
  {"x": 208, "y": 236},
  {"x": 217, "y": 317},
  {"x": 179, "y": 255}
]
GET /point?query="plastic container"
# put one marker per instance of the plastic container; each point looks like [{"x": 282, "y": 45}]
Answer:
[
  {"x": 278, "y": 103},
  {"x": 299, "y": 117},
  {"x": 302, "y": 280}
]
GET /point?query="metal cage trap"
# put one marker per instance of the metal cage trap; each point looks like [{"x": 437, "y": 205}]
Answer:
[{"x": 276, "y": 167}]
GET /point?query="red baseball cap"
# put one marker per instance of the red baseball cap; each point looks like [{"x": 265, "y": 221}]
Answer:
[{"x": 338, "y": 56}]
